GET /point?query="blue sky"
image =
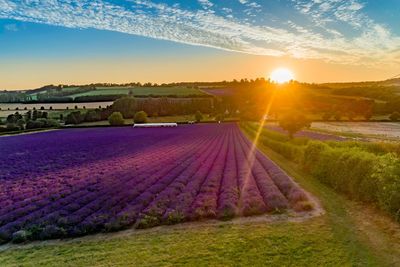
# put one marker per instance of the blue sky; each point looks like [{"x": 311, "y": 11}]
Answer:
[{"x": 357, "y": 33}]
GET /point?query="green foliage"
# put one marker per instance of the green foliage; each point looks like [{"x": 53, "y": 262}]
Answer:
[
  {"x": 116, "y": 119},
  {"x": 140, "y": 117},
  {"x": 126, "y": 106},
  {"x": 21, "y": 123},
  {"x": 293, "y": 123},
  {"x": 348, "y": 170},
  {"x": 92, "y": 115},
  {"x": 20, "y": 236},
  {"x": 13, "y": 118},
  {"x": 12, "y": 127},
  {"x": 74, "y": 117},
  {"x": 387, "y": 175},
  {"x": 34, "y": 124},
  {"x": 357, "y": 172},
  {"x": 365, "y": 171},
  {"x": 198, "y": 116}
]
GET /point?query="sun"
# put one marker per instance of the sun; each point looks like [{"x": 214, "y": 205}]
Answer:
[{"x": 281, "y": 75}]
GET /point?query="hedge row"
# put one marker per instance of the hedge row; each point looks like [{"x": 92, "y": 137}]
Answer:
[{"x": 368, "y": 172}]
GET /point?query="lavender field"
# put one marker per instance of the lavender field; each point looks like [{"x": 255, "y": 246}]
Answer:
[{"x": 80, "y": 181}]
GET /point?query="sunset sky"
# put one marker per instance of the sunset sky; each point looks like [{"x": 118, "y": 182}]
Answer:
[{"x": 78, "y": 42}]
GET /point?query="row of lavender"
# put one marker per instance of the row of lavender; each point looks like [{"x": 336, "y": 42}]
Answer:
[{"x": 140, "y": 177}]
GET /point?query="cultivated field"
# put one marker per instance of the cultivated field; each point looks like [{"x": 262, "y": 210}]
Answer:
[
  {"x": 378, "y": 130},
  {"x": 80, "y": 181},
  {"x": 141, "y": 91},
  {"x": 307, "y": 134}
]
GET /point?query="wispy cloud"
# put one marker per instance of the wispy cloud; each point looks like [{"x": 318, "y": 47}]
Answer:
[
  {"x": 11, "y": 27},
  {"x": 375, "y": 43}
]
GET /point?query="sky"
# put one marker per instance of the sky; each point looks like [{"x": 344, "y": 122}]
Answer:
[{"x": 81, "y": 41}]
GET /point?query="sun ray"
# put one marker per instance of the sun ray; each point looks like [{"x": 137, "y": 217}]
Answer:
[{"x": 251, "y": 157}]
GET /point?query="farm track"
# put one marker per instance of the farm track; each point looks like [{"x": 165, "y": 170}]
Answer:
[{"x": 144, "y": 177}]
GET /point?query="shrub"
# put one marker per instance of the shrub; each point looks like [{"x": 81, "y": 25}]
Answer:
[
  {"x": 12, "y": 127},
  {"x": 74, "y": 118},
  {"x": 395, "y": 116},
  {"x": 140, "y": 117},
  {"x": 365, "y": 171},
  {"x": 34, "y": 124},
  {"x": 198, "y": 116},
  {"x": 116, "y": 119},
  {"x": 387, "y": 174},
  {"x": 51, "y": 232},
  {"x": 92, "y": 115},
  {"x": 21, "y": 123},
  {"x": 52, "y": 123},
  {"x": 20, "y": 236},
  {"x": 126, "y": 106}
]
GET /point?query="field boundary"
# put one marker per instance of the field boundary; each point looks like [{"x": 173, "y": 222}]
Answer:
[{"x": 290, "y": 216}]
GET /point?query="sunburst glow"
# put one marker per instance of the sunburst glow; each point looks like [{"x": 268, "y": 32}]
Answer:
[{"x": 281, "y": 75}]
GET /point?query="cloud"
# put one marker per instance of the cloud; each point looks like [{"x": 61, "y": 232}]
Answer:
[
  {"x": 203, "y": 27},
  {"x": 206, "y": 4},
  {"x": 11, "y": 27}
]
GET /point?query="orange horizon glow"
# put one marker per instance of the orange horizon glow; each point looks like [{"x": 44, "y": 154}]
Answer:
[
  {"x": 212, "y": 67},
  {"x": 282, "y": 75}
]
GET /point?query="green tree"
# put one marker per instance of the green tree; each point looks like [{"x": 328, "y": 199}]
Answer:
[
  {"x": 293, "y": 123},
  {"x": 116, "y": 119},
  {"x": 140, "y": 117},
  {"x": 198, "y": 116},
  {"x": 126, "y": 106},
  {"x": 92, "y": 115}
]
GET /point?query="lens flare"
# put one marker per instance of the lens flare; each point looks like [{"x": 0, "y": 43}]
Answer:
[{"x": 281, "y": 75}]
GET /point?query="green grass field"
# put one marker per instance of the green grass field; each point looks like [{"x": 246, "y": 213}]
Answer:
[
  {"x": 159, "y": 91},
  {"x": 348, "y": 234}
]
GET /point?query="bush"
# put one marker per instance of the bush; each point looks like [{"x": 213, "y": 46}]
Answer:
[
  {"x": 20, "y": 236},
  {"x": 51, "y": 232},
  {"x": 365, "y": 171},
  {"x": 34, "y": 124},
  {"x": 198, "y": 116},
  {"x": 126, "y": 106},
  {"x": 140, "y": 117},
  {"x": 74, "y": 118},
  {"x": 11, "y": 127},
  {"x": 395, "y": 116},
  {"x": 116, "y": 119},
  {"x": 358, "y": 173},
  {"x": 387, "y": 174},
  {"x": 42, "y": 123},
  {"x": 52, "y": 123},
  {"x": 92, "y": 115},
  {"x": 21, "y": 123}
]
